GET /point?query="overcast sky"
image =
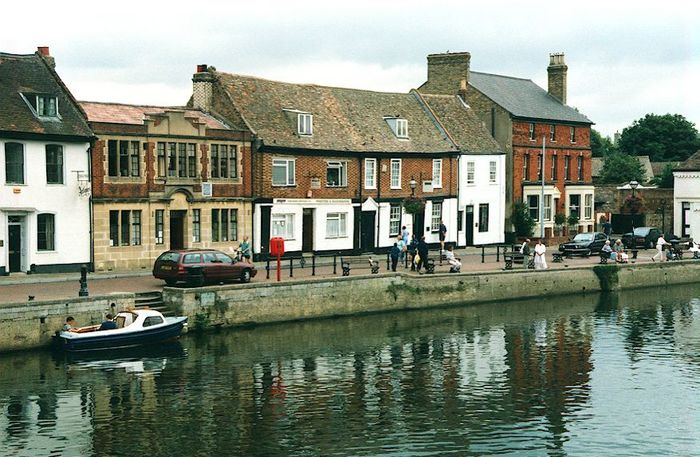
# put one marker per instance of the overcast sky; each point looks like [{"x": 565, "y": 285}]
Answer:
[{"x": 625, "y": 59}]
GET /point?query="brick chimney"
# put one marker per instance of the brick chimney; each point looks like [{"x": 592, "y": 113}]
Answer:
[
  {"x": 202, "y": 88},
  {"x": 556, "y": 72},
  {"x": 43, "y": 51},
  {"x": 448, "y": 73}
]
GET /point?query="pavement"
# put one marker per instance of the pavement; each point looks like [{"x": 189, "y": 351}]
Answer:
[{"x": 17, "y": 287}]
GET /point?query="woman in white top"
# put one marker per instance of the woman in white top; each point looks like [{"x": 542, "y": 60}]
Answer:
[
  {"x": 660, "y": 244},
  {"x": 540, "y": 261}
]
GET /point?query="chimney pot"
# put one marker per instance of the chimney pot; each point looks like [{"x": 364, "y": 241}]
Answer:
[
  {"x": 556, "y": 72},
  {"x": 201, "y": 68},
  {"x": 448, "y": 73},
  {"x": 44, "y": 51}
]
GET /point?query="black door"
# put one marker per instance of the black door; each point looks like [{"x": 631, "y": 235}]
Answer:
[
  {"x": 418, "y": 220},
  {"x": 265, "y": 215},
  {"x": 368, "y": 235},
  {"x": 15, "y": 245},
  {"x": 177, "y": 229},
  {"x": 307, "y": 231},
  {"x": 469, "y": 225}
]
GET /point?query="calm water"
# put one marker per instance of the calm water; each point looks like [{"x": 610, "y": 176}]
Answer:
[{"x": 589, "y": 375}]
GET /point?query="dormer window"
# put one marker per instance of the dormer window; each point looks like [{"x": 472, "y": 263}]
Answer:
[
  {"x": 398, "y": 126},
  {"x": 42, "y": 105},
  {"x": 305, "y": 124}
]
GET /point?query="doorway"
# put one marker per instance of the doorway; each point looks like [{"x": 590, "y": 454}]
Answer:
[
  {"x": 15, "y": 243},
  {"x": 469, "y": 225},
  {"x": 177, "y": 229},
  {"x": 367, "y": 240},
  {"x": 307, "y": 230},
  {"x": 418, "y": 220}
]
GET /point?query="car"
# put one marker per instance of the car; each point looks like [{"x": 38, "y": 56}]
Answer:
[
  {"x": 196, "y": 267},
  {"x": 584, "y": 244},
  {"x": 641, "y": 237}
]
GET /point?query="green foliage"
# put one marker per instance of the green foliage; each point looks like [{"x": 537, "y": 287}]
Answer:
[
  {"x": 619, "y": 168},
  {"x": 559, "y": 219},
  {"x": 665, "y": 179},
  {"x": 600, "y": 146},
  {"x": 666, "y": 138},
  {"x": 572, "y": 220},
  {"x": 413, "y": 205},
  {"x": 522, "y": 221},
  {"x": 632, "y": 205}
]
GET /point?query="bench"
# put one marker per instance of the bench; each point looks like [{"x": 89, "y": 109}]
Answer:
[
  {"x": 429, "y": 266},
  {"x": 515, "y": 257},
  {"x": 604, "y": 257},
  {"x": 370, "y": 263},
  {"x": 557, "y": 257},
  {"x": 696, "y": 254}
]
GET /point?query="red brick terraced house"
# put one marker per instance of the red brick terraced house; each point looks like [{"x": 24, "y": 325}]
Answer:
[
  {"x": 333, "y": 166},
  {"x": 522, "y": 116},
  {"x": 165, "y": 178}
]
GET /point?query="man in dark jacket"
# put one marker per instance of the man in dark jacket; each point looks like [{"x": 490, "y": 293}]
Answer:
[
  {"x": 395, "y": 253},
  {"x": 422, "y": 253}
]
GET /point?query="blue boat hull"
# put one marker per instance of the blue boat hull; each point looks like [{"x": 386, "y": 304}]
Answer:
[{"x": 148, "y": 336}]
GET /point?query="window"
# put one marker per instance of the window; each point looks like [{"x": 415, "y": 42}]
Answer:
[
  {"x": 114, "y": 228},
  {"x": 402, "y": 128},
  {"x": 172, "y": 159},
  {"x": 136, "y": 228},
  {"x": 539, "y": 166},
  {"x": 191, "y": 259},
  {"x": 191, "y": 160},
  {"x": 484, "y": 217},
  {"x": 161, "y": 159},
  {"x": 552, "y": 133},
  {"x": 214, "y": 159},
  {"x": 437, "y": 173},
  {"x": 43, "y": 105},
  {"x": 394, "y": 219},
  {"x": 180, "y": 159},
  {"x": 370, "y": 173},
  {"x": 547, "y": 207},
  {"x": 283, "y": 172},
  {"x": 575, "y": 205},
  {"x": 567, "y": 167},
  {"x": 532, "y": 131},
  {"x": 492, "y": 172},
  {"x": 127, "y": 225},
  {"x": 336, "y": 225},
  {"x": 45, "y": 232},
  {"x": 685, "y": 218},
  {"x": 125, "y": 229},
  {"x": 579, "y": 167},
  {"x": 588, "y": 206},
  {"x": 554, "y": 168},
  {"x": 123, "y": 158},
  {"x": 224, "y": 161},
  {"x": 215, "y": 225},
  {"x": 436, "y": 217},
  {"x": 224, "y": 225},
  {"x": 196, "y": 225},
  {"x": 305, "y": 124},
  {"x": 396, "y": 173},
  {"x": 470, "y": 173},
  {"x": 233, "y": 225},
  {"x": 135, "y": 159},
  {"x": 159, "y": 226},
  {"x": 152, "y": 320},
  {"x": 14, "y": 163},
  {"x": 526, "y": 167},
  {"x": 533, "y": 203},
  {"x": 54, "y": 164},
  {"x": 336, "y": 174},
  {"x": 283, "y": 225},
  {"x": 572, "y": 134}
]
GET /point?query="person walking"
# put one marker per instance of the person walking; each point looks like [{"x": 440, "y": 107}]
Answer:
[
  {"x": 394, "y": 254},
  {"x": 244, "y": 248},
  {"x": 525, "y": 251},
  {"x": 402, "y": 247},
  {"x": 422, "y": 253},
  {"x": 404, "y": 235},
  {"x": 442, "y": 234},
  {"x": 413, "y": 250},
  {"x": 540, "y": 260},
  {"x": 660, "y": 243}
]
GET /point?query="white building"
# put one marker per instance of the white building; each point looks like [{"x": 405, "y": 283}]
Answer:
[
  {"x": 686, "y": 198},
  {"x": 482, "y": 193},
  {"x": 44, "y": 151}
]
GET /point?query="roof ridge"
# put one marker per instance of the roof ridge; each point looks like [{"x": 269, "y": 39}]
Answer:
[
  {"x": 501, "y": 76},
  {"x": 140, "y": 105},
  {"x": 10, "y": 54}
]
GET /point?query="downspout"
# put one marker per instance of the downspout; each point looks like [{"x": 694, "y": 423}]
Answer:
[
  {"x": 90, "y": 212},
  {"x": 379, "y": 196},
  {"x": 358, "y": 236}
]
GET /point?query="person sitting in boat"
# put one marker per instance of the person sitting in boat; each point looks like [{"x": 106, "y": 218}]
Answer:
[
  {"x": 70, "y": 325},
  {"x": 108, "y": 324}
]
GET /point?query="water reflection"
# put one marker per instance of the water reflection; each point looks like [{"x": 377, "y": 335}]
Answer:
[{"x": 555, "y": 377}]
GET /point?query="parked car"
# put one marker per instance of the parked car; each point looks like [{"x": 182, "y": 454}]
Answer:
[
  {"x": 641, "y": 237},
  {"x": 197, "y": 267},
  {"x": 584, "y": 244}
]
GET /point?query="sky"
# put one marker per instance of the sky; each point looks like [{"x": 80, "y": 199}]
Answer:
[{"x": 625, "y": 58}]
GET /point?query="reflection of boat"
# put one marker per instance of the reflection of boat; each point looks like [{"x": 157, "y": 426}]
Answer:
[
  {"x": 166, "y": 350},
  {"x": 134, "y": 328}
]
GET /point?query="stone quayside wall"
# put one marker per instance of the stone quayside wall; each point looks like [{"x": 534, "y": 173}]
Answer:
[{"x": 32, "y": 324}]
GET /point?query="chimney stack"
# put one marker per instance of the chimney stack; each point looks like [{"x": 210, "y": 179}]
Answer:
[
  {"x": 448, "y": 73},
  {"x": 556, "y": 72},
  {"x": 43, "y": 51},
  {"x": 202, "y": 88}
]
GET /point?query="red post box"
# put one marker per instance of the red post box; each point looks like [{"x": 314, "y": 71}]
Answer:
[{"x": 277, "y": 246}]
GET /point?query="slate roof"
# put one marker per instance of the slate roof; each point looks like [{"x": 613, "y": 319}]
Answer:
[
  {"x": 462, "y": 124},
  {"x": 597, "y": 164},
  {"x": 691, "y": 164},
  {"x": 659, "y": 167},
  {"x": 31, "y": 74},
  {"x": 343, "y": 119},
  {"x": 119, "y": 113},
  {"x": 523, "y": 98}
]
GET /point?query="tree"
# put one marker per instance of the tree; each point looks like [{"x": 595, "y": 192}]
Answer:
[
  {"x": 601, "y": 145},
  {"x": 665, "y": 179},
  {"x": 666, "y": 138},
  {"x": 619, "y": 168},
  {"x": 522, "y": 221}
]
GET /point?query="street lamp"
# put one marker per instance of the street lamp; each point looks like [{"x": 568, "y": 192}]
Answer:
[
  {"x": 413, "y": 185},
  {"x": 634, "y": 185}
]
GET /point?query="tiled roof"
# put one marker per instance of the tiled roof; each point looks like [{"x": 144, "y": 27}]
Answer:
[
  {"x": 343, "y": 119},
  {"x": 659, "y": 167},
  {"x": 597, "y": 164},
  {"x": 523, "y": 98},
  {"x": 118, "y": 113},
  {"x": 691, "y": 164},
  {"x": 462, "y": 124},
  {"x": 30, "y": 74}
]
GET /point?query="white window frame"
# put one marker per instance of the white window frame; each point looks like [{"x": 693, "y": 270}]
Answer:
[
  {"x": 552, "y": 133},
  {"x": 437, "y": 173},
  {"x": 537, "y": 208},
  {"x": 401, "y": 128},
  {"x": 285, "y": 163},
  {"x": 588, "y": 206},
  {"x": 548, "y": 207},
  {"x": 305, "y": 124},
  {"x": 394, "y": 219},
  {"x": 435, "y": 216},
  {"x": 531, "y": 131},
  {"x": 396, "y": 174},
  {"x": 342, "y": 168},
  {"x": 493, "y": 171},
  {"x": 471, "y": 173},
  {"x": 370, "y": 173},
  {"x": 572, "y": 134},
  {"x": 282, "y": 224},
  {"x": 336, "y": 225}
]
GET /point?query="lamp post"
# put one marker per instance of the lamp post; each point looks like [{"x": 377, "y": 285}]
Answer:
[
  {"x": 633, "y": 185},
  {"x": 413, "y": 185}
]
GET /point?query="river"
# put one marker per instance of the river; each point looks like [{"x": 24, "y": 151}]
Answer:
[{"x": 577, "y": 375}]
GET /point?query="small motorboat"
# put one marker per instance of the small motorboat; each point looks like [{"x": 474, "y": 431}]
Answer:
[{"x": 134, "y": 328}]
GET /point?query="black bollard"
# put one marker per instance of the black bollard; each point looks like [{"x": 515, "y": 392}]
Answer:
[{"x": 83, "y": 292}]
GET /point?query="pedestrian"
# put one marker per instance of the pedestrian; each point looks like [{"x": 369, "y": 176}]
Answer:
[
  {"x": 607, "y": 228},
  {"x": 660, "y": 243},
  {"x": 442, "y": 234},
  {"x": 413, "y": 250},
  {"x": 422, "y": 253},
  {"x": 405, "y": 235},
  {"x": 70, "y": 325},
  {"x": 540, "y": 260},
  {"x": 606, "y": 250},
  {"x": 525, "y": 251},
  {"x": 244, "y": 248},
  {"x": 402, "y": 248},
  {"x": 395, "y": 253}
]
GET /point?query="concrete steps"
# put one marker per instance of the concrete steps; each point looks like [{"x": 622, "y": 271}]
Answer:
[{"x": 152, "y": 300}]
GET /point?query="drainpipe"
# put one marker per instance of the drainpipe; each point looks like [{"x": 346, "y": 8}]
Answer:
[{"x": 90, "y": 212}]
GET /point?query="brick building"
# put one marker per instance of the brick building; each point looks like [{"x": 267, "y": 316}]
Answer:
[
  {"x": 165, "y": 178},
  {"x": 333, "y": 166},
  {"x": 527, "y": 120}
]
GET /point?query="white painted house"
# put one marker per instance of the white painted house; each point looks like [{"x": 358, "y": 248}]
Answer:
[
  {"x": 686, "y": 198},
  {"x": 44, "y": 177}
]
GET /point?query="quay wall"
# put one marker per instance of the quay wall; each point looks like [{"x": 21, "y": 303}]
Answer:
[{"x": 31, "y": 324}]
